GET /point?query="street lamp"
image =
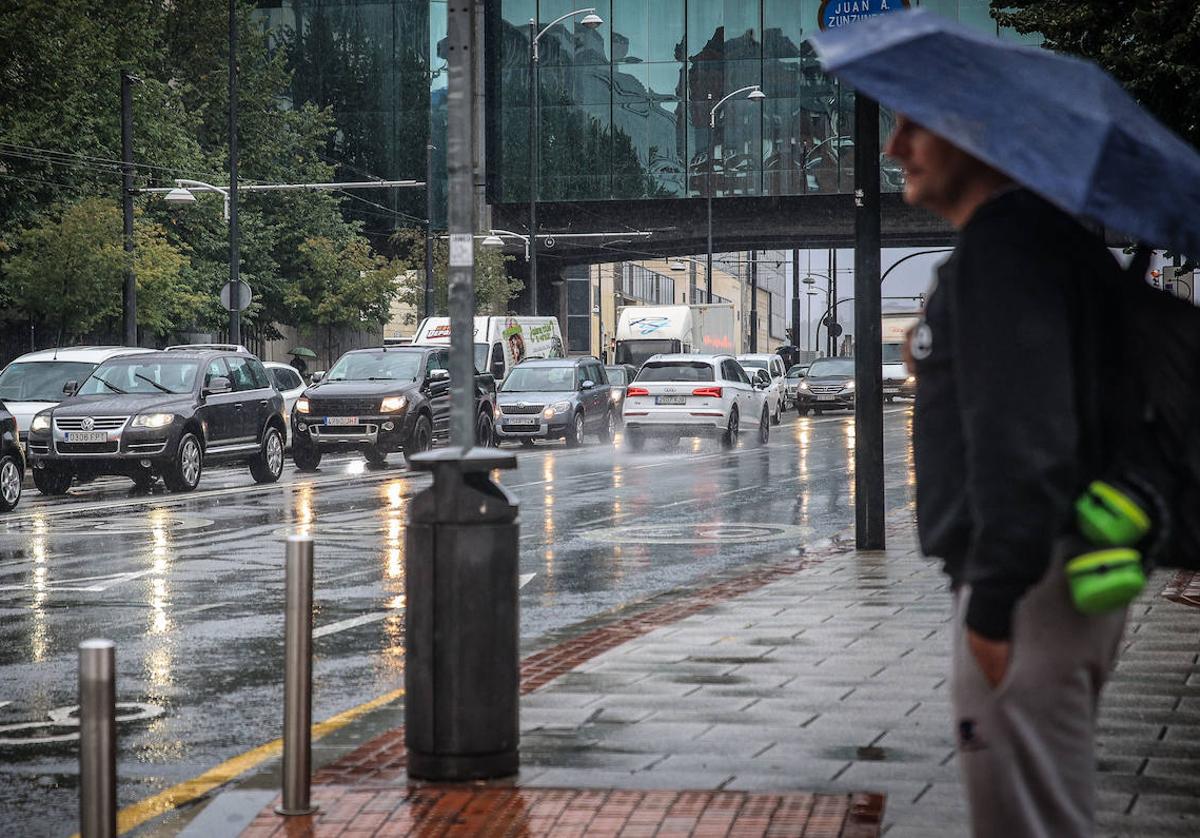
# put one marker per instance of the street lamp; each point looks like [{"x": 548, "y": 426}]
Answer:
[
  {"x": 754, "y": 93},
  {"x": 590, "y": 21}
]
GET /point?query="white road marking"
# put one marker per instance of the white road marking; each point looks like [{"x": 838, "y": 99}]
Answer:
[
  {"x": 99, "y": 584},
  {"x": 526, "y": 578},
  {"x": 354, "y": 622}
]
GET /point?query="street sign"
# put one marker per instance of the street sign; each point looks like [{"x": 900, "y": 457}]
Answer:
[
  {"x": 835, "y": 13},
  {"x": 244, "y": 296}
]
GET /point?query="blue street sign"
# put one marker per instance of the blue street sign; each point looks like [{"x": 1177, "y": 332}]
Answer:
[{"x": 835, "y": 13}]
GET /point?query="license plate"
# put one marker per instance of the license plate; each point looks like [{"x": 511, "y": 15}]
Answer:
[
  {"x": 670, "y": 400},
  {"x": 341, "y": 420},
  {"x": 532, "y": 420},
  {"x": 87, "y": 436},
  {"x": 826, "y": 398}
]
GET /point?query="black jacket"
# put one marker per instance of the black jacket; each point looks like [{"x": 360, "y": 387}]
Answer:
[{"x": 999, "y": 448}]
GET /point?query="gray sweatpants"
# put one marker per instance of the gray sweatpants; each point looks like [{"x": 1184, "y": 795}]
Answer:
[{"x": 1026, "y": 747}]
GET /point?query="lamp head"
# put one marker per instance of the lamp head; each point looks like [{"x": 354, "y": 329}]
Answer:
[
  {"x": 591, "y": 20},
  {"x": 179, "y": 195},
  {"x": 756, "y": 95},
  {"x": 493, "y": 241},
  {"x": 678, "y": 266}
]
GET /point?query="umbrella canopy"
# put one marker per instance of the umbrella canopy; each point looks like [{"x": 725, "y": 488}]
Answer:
[
  {"x": 303, "y": 352},
  {"x": 1058, "y": 125}
]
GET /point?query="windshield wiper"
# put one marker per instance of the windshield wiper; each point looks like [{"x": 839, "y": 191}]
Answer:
[
  {"x": 112, "y": 387},
  {"x": 154, "y": 383},
  {"x": 382, "y": 378}
]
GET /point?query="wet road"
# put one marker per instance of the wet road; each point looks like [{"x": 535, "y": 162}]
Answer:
[{"x": 191, "y": 587}]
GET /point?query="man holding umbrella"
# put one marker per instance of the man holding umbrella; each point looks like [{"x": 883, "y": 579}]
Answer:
[{"x": 1002, "y": 436}]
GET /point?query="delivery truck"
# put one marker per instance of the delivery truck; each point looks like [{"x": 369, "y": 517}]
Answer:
[
  {"x": 500, "y": 342},
  {"x": 896, "y": 380},
  {"x": 645, "y": 331}
]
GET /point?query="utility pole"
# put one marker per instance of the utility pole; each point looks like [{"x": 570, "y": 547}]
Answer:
[
  {"x": 796, "y": 298},
  {"x": 235, "y": 314},
  {"x": 129, "y": 294},
  {"x": 429, "y": 148},
  {"x": 868, "y": 350},
  {"x": 753, "y": 300},
  {"x": 832, "y": 338},
  {"x": 534, "y": 113}
]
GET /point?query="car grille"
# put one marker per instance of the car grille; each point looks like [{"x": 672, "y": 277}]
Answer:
[
  {"x": 343, "y": 407},
  {"x": 824, "y": 389},
  {"x": 39, "y": 449},
  {"x": 86, "y": 447},
  {"x": 893, "y": 382},
  {"x": 342, "y": 430},
  {"x": 521, "y": 409},
  {"x": 100, "y": 423}
]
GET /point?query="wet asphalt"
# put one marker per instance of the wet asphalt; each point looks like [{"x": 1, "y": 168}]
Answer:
[{"x": 191, "y": 586}]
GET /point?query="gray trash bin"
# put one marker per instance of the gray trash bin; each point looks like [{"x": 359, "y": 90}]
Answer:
[{"x": 462, "y": 670}]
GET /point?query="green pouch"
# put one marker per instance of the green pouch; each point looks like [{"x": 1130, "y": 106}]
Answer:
[
  {"x": 1109, "y": 517},
  {"x": 1103, "y": 580}
]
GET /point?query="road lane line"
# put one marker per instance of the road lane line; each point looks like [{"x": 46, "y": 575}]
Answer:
[
  {"x": 180, "y": 794},
  {"x": 353, "y": 622},
  {"x": 526, "y": 578}
]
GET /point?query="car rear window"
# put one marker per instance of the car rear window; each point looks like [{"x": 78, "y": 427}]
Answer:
[{"x": 676, "y": 371}]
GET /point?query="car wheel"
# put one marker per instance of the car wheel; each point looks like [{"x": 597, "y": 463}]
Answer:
[
  {"x": 778, "y": 415},
  {"x": 305, "y": 455},
  {"x": 52, "y": 481},
  {"x": 144, "y": 481},
  {"x": 419, "y": 440},
  {"x": 801, "y": 410},
  {"x": 267, "y": 465},
  {"x": 10, "y": 483},
  {"x": 375, "y": 456},
  {"x": 610, "y": 428},
  {"x": 527, "y": 443},
  {"x": 816, "y": 411},
  {"x": 575, "y": 435},
  {"x": 730, "y": 437},
  {"x": 483, "y": 430},
  {"x": 634, "y": 440},
  {"x": 183, "y": 474},
  {"x": 764, "y": 427}
]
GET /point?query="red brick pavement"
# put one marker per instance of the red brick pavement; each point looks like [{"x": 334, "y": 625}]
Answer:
[{"x": 430, "y": 811}]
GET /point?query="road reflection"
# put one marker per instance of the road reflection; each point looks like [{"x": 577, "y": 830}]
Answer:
[{"x": 395, "y": 517}]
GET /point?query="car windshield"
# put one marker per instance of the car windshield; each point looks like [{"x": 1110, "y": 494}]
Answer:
[
  {"x": 796, "y": 371},
  {"x": 616, "y": 375},
  {"x": 41, "y": 381},
  {"x": 893, "y": 353},
  {"x": 378, "y": 366},
  {"x": 752, "y": 363},
  {"x": 540, "y": 379},
  {"x": 142, "y": 378},
  {"x": 831, "y": 366},
  {"x": 676, "y": 371}
]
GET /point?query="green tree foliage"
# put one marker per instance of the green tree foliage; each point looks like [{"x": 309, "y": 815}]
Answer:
[
  {"x": 68, "y": 266},
  {"x": 494, "y": 288},
  {"x": 1150, "y": 47},
  {"x": 60, "y": 142}
]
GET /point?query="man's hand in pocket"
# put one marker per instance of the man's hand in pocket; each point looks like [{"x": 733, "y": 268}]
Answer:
[{"x": 991, "y": 655}]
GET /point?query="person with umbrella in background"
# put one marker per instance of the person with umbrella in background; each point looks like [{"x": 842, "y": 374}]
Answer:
[
  {"x": 1009, "y": 144},
  {"x": 298, "y": 354}
]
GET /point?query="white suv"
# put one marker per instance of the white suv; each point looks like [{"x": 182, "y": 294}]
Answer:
[
  {"x": 777, "y": 393},
  {"x": 677, "y": 396},
  {"x": 35, "y": 381}
]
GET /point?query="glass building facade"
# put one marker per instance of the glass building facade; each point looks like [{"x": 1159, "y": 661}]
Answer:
[{"x": 624, "y": 108}]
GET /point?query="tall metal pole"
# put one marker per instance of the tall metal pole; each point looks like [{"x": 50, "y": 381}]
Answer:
[
  {"x": 460, "y": 170},
  {"x": 753, "y": 300},
  {"x": 97, "y": 739},
  {"x": 297, "y": 677},
  {"x": 534, "y": 114},
  {"x": 429, "y": 219},
  {"x": 235, "y": 315},
  {"x": 809, "y": 345},
  {"x": 868, "y": 349},
  {"x": 833, "y": 294},
  {"x": 129, "y": 295},
  {"x": 796, "y": 297},
  {"x": 712, "y": 145}
]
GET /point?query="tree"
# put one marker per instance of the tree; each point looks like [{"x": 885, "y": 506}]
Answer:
[
  {"x": 1150, "y": 47},
  {"x": 494, "y": 288},
  {"x": 67, "y": 268}
]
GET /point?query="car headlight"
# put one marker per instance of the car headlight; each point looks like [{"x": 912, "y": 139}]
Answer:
[
  {"x": 41, "y": 422},
  {"x": 392, "y": 404},
  {"x": 152, "y": 420},
  {"x": 556, "y": 408},
  {"x": 912, "y": 379},
  {"x": 849, "y": 385},
  {"x": 803, "y": 385},
  {"x": 302, "y": 406}
]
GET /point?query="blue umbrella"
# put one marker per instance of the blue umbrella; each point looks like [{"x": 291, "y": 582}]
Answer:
[{"x": 1058, "y": 125}]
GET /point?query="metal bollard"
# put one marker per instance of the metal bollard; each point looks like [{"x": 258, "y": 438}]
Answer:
[
  {"x": 297, "y": 679},
  {"x": 97, "y": 739}
]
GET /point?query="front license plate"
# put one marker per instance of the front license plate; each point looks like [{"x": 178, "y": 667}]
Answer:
[
  {"x": 670, "y": 400},
  {"x": 341, "y": 420},
  {"x": 87, "y": 436},
  {"x": 530, "y": 421},
  {"x": 826, "y": 398}
]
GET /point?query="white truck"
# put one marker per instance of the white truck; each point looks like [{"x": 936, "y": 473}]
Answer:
[
  {"x": 896, "y": 325},
  {"x": 500, "y": 342},
  {"x": 644, "y": 331}
]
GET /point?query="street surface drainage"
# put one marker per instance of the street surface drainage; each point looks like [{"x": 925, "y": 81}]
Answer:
[
  {"x": 697, "y": 533},
  {"x": 152, "y": 524}
]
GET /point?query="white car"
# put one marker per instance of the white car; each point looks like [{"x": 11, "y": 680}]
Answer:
[
  {"x": 777, "y": 399},
  {"x": 36, "y": 381},
  {"x": 677, "y": 396},
  {"x": 288, "y": 382}
]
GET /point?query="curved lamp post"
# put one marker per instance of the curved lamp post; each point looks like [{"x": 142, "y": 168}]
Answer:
[{"x": 754, "y": 93}]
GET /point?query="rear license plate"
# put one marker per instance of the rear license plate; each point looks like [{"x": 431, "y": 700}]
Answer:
[
  {"x": 826, "y": 398},
  {"x": 87, "y": 436},
  {"x": 341, "y": 420},
  {"x": 532, "y": 420},
  {"x": 670, "y": 400}
]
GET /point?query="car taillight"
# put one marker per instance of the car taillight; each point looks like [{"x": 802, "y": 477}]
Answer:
[
  {"x": 637, "y": 391},
  {"x": 708, "y": 392}
]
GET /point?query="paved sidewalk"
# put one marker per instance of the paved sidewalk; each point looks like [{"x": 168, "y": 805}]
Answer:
[{"x": 790, "y": 690}]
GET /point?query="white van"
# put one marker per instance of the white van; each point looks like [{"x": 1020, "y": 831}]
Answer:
[
  {"x": 35, "y": 381},
  {"x": 500, "y": 342}
]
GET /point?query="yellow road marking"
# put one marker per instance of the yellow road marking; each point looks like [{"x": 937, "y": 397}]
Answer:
[{"x": 133, "y": 816}]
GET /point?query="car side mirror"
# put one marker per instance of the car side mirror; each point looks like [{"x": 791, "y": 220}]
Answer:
[
  {"x": 587, "y": 385},
  {"x": 317, "y": 377},
  {"x": 439, "y": 375},
  {"x": 217, "y": 386},
  {"x": 498, "y": 370},
  {"x": 762, "y": 379},
  {"x": 70, "y": 387}
]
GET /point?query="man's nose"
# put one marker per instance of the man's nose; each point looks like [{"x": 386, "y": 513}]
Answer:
[{"x": 894, "y": 146}]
